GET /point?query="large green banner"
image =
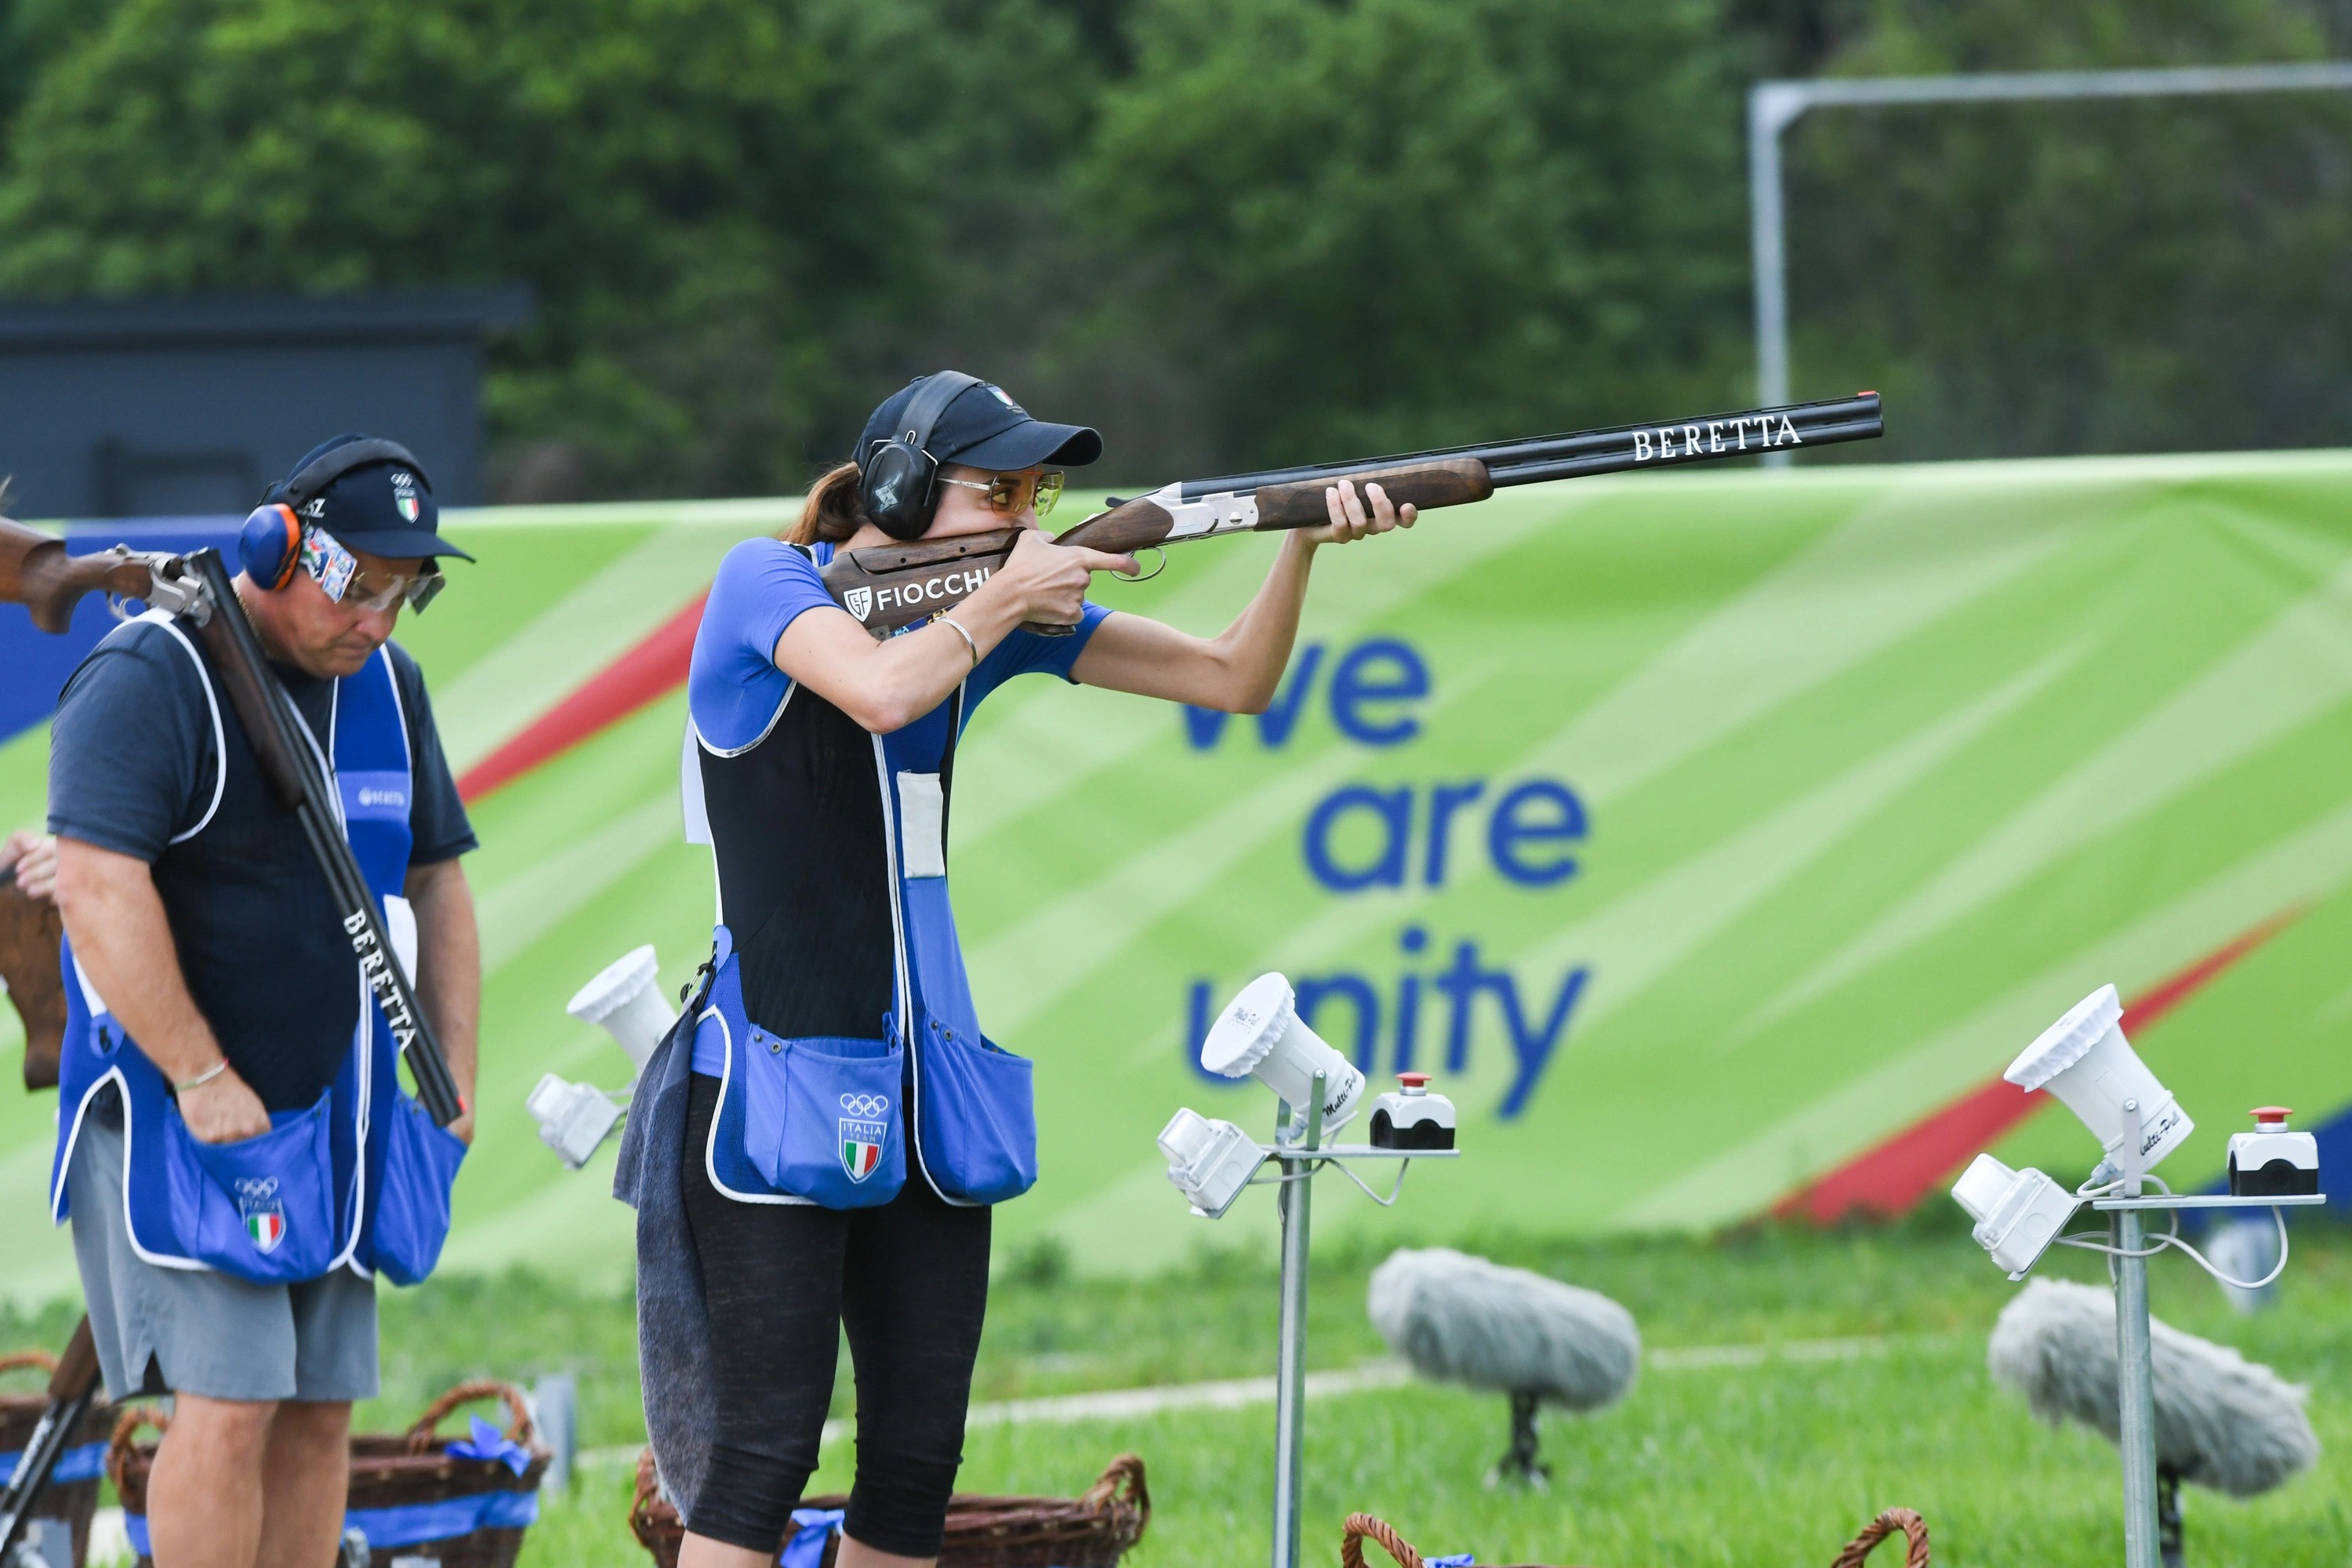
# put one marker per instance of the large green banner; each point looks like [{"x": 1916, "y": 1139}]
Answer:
[{"x": 1714, "y": 840}]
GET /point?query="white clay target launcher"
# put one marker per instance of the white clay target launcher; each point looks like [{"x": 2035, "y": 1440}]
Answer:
[
  {"x": 1412, "y": 1117},
  {"x": 2273, "y": 1161},
  {"x": 2085, "y": 1060},
  {"x": 1213, "y": 1162}
]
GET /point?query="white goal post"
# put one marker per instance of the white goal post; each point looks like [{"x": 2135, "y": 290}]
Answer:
[{"x": 1774, "y": 106}]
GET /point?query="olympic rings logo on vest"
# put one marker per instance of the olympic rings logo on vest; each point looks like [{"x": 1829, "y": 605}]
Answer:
[{"x": 867, "y": 1105}]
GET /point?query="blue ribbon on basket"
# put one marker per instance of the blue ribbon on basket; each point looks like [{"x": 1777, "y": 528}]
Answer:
[
  {"x": 1459, "y": 1559},
  {"x": 806, "y": 1548},
  {"x": 86, "y": 1463},
  {"x": 489, "y": 1443},
  {"x": 411, "y": 1525}
]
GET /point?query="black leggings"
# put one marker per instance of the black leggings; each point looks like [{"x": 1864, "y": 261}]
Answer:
[{"x": 909, "y": 1280}]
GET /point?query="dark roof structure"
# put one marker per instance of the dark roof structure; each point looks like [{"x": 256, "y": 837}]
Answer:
[{"x": 189, "y": 406}]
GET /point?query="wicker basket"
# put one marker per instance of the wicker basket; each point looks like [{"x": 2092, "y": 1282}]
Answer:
[
  {"x": 1093, "y": 1532},
  {"x": 391, "y": 1471},
  {"x": 1363, "y": 1527},
  {"x": 72, "y": 1501}
]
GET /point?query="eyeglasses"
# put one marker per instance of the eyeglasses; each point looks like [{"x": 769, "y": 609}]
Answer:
[
  {"x": 1010, "y": 494},
  {"x": 345, "y": 582},
  {"x": 381, "y": 590}
]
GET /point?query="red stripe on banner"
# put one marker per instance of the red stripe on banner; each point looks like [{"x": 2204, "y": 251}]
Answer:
[
  {"x": 1890, "y": 1177},
  {"x": 651, "y": 671}
]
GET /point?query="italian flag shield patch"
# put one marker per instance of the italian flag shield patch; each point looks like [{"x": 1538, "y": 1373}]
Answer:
[{"x": 861, "y": 1147}]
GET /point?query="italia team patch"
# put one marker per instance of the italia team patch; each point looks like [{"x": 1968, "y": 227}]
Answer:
[
  {"x": 404, "y": 494},
  {"x": 863, "y": 1133},
  {"x": 264, "y": 1216}
]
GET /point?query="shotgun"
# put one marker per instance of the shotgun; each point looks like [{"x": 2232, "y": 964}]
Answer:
[
  {"x": 72, "y": 1387},
  {"x": 889, "y": 586},
  {"x": 35, "y": 572}
]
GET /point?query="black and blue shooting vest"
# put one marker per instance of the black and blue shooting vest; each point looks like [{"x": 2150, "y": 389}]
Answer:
[
  {"x": 361, "y": 1178},
  {"x": 835, "y": 1011}
]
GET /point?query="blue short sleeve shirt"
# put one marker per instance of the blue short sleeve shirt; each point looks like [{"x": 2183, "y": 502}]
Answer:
[{"x": 733, "y": 687}]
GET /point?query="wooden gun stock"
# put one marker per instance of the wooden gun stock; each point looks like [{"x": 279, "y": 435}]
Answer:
[
  {"x": 37, "y": 572},
  {"x": 1451, "y": 481}
]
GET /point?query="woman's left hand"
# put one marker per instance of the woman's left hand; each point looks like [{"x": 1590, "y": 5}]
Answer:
[{"x": 1355, "y": 516}]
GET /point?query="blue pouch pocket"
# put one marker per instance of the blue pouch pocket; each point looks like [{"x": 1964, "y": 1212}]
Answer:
[
  {"x": 820, "y": 1117},
  {"x": 979, "y": 1117},
  {"x": 411, "y": 1207},
  {"x": 260, "y": 1208}
]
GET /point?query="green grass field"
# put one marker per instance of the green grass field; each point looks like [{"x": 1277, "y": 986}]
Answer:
[{"x": 1748, "y": 1460}]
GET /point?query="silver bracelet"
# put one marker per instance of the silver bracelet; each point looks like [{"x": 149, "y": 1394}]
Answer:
[
  {"x": 202, "y": 1077},
  {"x": 947, "y": 620}
]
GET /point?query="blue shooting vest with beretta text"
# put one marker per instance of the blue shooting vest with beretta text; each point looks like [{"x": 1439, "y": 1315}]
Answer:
[{"x": 360, "y": 1179}]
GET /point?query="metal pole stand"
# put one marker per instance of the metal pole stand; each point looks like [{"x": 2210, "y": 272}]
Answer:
[
  {"x": 1298, "y": 1152},
  {"x": 2135, "y": 1358},
  {"x": 2134, "y": 1362}
]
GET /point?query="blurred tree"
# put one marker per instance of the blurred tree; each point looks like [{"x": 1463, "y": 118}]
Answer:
[
  {"x": 32, "y": 34},
  {"x": 743, "y": 220},
  {"x": 1223, "y": 231},
  {"x": 1397, "y": 223},
  {"x": 2154, "y": 275}
]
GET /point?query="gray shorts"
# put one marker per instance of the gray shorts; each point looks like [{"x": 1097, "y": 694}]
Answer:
[{"x": 199, "y": 1330}]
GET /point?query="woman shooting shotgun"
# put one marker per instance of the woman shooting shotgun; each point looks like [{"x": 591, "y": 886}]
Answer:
[
  {"x": 816, "y": 1147},
  {"x": 819, "y": 1148}
]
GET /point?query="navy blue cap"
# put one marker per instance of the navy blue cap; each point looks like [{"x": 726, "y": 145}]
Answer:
[
  {"x": 985, "y": 429},
  {"x": 383, "y": 505}
]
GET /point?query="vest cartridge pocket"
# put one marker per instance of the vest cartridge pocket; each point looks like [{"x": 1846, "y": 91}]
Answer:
[
  {"x": 260, "y": 1208},
  {"x": 821, "y": 1118}
]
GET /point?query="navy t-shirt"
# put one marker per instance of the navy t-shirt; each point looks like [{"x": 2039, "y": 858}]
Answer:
[{"x": 133, "y": 768}]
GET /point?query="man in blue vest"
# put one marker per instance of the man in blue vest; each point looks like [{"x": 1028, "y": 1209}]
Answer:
[{"x": 227, "y": 1088}]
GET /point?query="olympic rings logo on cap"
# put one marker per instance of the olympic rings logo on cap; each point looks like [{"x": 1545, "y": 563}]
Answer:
[{"x": 864, "y": 1104}]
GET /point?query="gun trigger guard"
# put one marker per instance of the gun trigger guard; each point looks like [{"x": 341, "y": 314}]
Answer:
[{"x": 1147, "y": 576}]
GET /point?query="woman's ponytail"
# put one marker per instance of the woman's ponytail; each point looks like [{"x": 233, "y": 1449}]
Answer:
[{"x": 833, "y": 512}]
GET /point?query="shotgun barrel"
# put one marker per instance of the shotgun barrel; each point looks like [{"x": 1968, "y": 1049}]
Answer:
[
  {"x": 1618, "y": 449},
  {"x": 889, "y": 586}
]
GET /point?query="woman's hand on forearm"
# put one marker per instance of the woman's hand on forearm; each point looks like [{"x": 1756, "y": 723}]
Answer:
[{"x": 123, "y": 941}]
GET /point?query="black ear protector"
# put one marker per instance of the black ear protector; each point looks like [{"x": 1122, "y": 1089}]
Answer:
[
  {"x": 270, "y": 546},
  {"x": 896, "y": 478}
]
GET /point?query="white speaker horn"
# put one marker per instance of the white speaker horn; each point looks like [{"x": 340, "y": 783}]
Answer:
[
  {"x": 2085, "y": 1060},
  {"x": 1261, "y": 1034},
  {"x": 626, "y": 1004}
]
